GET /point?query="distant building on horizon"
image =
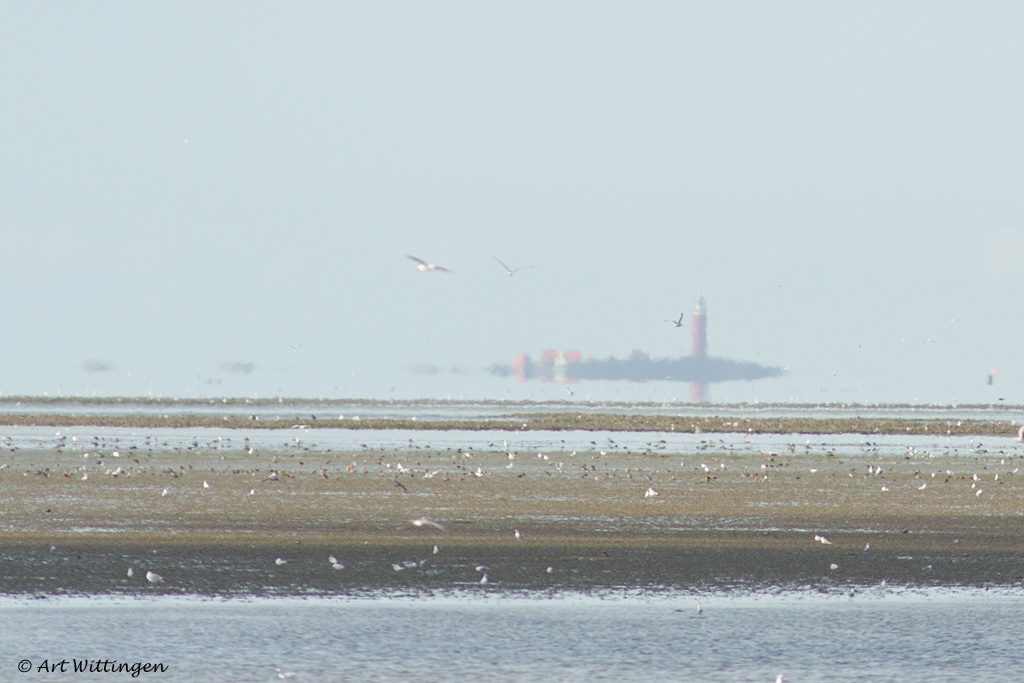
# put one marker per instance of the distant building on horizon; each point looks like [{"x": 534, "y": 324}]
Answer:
[
  {"x": 698, "y": 368},
  {"x": 698, "y": 389}
]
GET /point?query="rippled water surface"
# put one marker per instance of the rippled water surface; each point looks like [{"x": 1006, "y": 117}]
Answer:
[{"x": 880, "y": 636}]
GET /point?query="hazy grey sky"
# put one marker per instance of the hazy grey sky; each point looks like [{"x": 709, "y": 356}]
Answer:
[{"x": 191, "y": 189}]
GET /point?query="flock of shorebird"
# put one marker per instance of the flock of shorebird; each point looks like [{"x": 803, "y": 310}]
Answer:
[{"x": 905, "y": 471}]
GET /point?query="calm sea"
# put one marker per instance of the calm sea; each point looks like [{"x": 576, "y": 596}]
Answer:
[{"x": 923, "y": 636}]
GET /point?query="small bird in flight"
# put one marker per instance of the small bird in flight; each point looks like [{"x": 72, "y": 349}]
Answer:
[
  {"x": 510, "y": 271},
  {"x": 678, "y": 322},
  {"x": 425, "y": 267}
]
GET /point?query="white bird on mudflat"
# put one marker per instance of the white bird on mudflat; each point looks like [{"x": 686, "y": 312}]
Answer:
[
  {"x": 425, "y": 267},
  {"x": 423, "y": 521},
  {"x": 822, "y": 540},
  {"x": 1020, "y": 434},
  {"x": 153, "y": 577},
  {"x": 279, "y": 561},
  {"x": 678, "y": 322}
]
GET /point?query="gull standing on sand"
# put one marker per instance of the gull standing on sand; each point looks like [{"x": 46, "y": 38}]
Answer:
[
  {"x": 153, "y": 577},
  {"x": 425, "y": 267}
]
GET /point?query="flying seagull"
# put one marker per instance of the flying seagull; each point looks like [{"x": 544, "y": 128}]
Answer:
[
  {"x": 510, "y": 271},
  {"x": 677, "y": 322},
  {"x": 425, "y": 267}
]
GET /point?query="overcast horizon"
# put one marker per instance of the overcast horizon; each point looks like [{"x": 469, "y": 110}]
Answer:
[{"x": 220, "y": 199}]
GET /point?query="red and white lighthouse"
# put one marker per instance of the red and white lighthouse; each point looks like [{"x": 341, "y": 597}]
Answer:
[{"x": 699, "y": 390}]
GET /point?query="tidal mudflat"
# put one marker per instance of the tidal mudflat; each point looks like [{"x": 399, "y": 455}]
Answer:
[{"x": 612, "y": 503}]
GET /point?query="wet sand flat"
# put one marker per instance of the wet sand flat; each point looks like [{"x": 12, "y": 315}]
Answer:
[
  {"x": 563, "y": 421},
  {"x": 585, "y": 521}
]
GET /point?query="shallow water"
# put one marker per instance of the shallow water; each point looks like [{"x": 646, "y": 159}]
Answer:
[
  {"x": 80, "y": 440},
  {"x": 880, "y": 636}
]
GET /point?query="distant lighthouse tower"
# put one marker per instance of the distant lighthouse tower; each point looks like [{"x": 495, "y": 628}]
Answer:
[{"x": 699, "y": 390}]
